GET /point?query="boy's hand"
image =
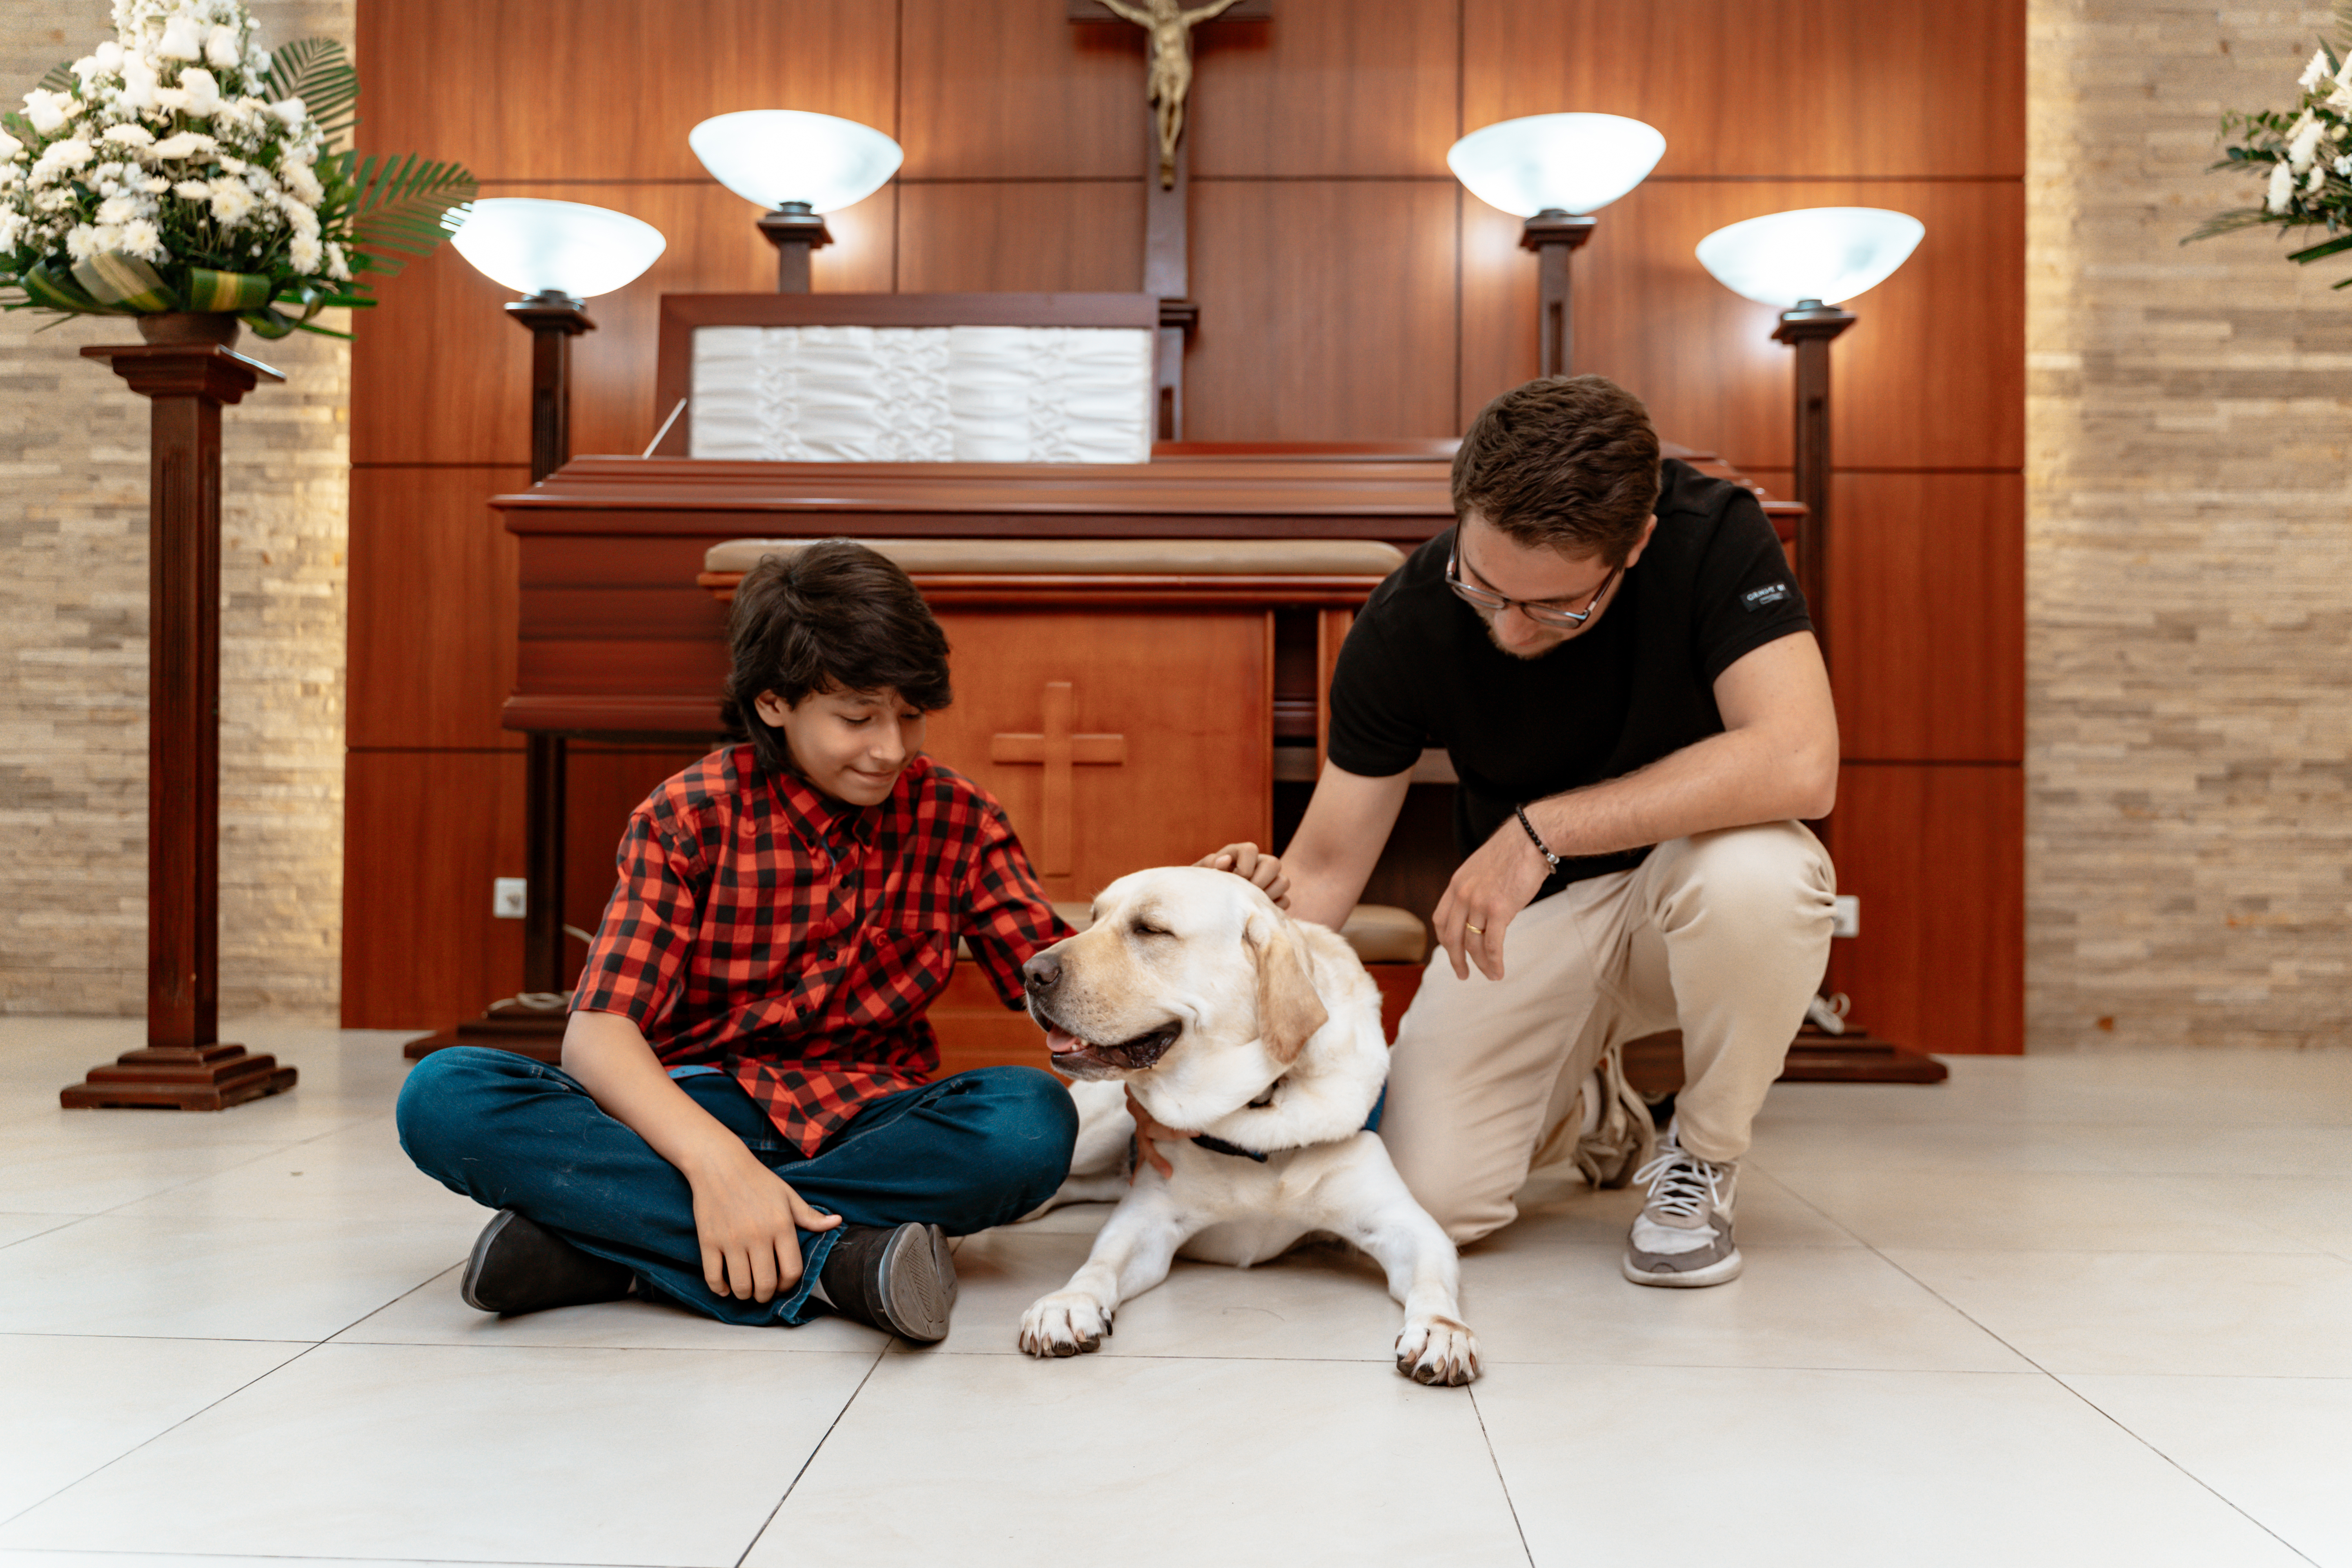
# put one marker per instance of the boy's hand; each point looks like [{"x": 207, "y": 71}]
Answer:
[
  {"x": 749, "y": 1220},
  {"x": 1262, "y": 870}
]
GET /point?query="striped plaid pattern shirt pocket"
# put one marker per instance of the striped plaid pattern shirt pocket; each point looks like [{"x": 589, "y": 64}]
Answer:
[{"x": 796, "y": 942}]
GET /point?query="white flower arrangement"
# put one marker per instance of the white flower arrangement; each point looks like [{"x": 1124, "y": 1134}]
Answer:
[
  {"x": 181, "y": 166},
  {"x": 2304, "y": 155}
]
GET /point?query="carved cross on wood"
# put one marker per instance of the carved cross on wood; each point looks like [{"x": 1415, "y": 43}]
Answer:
[{"x": 1060, "y": 752}]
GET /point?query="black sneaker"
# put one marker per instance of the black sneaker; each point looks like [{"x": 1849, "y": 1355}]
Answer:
[
  {"x": 900, "y": 1281},
  {"x": 519, "y": 1267}
]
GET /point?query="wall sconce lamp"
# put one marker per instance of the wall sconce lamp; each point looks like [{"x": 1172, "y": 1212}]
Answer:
[
  {"x": 796, "y": 167},
  {"x": 1555, "y": 170},
  {"x": 1806, "y": 262},
  {"x": 558, "y": 255}
]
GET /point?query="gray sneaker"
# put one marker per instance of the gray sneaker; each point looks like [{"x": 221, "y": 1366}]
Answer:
[{"x": 1683, "y": 1235}]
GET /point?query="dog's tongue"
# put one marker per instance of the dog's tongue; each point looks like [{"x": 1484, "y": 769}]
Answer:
[{"x": 1061, "y": 1042}]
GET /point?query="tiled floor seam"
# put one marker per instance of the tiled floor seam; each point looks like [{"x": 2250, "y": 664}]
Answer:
[
  {"x": 2183, "y": 1471},
  {"x": 152, "y": 1436},
  {"x": 1500, "y": 1480},
  {"x": 830, "y": 1426}
]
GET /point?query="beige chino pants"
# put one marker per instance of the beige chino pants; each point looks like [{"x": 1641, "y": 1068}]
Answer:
[{"x": 1723, "y": 935}]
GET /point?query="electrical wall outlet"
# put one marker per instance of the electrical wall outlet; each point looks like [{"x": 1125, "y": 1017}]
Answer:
[
  {"x": 509, "y": 897},
  {"x": 1845, "y": 916}
]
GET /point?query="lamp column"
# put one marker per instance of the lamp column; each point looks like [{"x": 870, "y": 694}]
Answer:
[
  {"x": 1554, "y": 237},
  {"x": 554, "y": 320},
  {"x": 1809, "y": 329},
  {"x": 183, "y": 1064},
  {"x": 796, "y": 231}
]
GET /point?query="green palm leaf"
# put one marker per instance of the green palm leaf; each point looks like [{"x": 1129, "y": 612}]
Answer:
[
  {"x": 317, "y": 71},
  {"x": 397, "y": 204},
  {"x": 60, "y": 78}
]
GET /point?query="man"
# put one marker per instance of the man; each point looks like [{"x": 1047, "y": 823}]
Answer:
[{"x": 1616, "y": 657}]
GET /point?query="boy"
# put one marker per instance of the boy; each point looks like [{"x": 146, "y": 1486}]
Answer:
[{"x": 740, "y": 1124}]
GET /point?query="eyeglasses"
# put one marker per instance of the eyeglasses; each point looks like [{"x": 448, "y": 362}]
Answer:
[{"x": 1542, "y": 614}]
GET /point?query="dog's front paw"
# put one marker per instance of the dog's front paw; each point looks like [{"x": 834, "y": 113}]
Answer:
[
  {"x": 1067, "y": 1322},
  {"x": 1437, "y": 1350}
]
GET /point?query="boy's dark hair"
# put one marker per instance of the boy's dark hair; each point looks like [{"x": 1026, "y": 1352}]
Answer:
[
  {"x": 832, "y": 615},
  {"x": 1570, "y": 461}
]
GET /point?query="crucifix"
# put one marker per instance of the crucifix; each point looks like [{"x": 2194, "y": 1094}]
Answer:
[
  {"x": 1059, "y": 753},
  {"x": 1167, "y": 84}
]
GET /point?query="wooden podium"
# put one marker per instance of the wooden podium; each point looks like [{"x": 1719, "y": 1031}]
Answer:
[{"x": 183, "y": 1065}]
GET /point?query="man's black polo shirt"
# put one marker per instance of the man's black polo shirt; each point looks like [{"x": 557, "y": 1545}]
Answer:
[{"x": 1418, "y": 668}]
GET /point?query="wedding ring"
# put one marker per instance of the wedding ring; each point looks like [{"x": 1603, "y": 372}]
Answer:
[{"x": 1473, "y": 931}]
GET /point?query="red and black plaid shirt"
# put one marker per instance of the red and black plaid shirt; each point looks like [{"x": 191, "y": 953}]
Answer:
[{"x": 794, "y": 942}]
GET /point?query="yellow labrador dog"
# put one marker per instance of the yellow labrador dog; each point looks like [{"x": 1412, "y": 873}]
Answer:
[{"x": 1221, "y": 1014}]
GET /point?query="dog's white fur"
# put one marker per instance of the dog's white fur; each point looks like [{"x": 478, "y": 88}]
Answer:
[{"x": 1279, "y": 1049}]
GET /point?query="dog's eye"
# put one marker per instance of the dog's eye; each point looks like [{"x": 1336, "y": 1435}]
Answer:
[{"x": 1143, "y": 927}]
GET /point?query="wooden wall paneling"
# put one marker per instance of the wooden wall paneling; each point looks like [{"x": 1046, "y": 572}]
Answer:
[
  {"x": 1917, "y": 382},
  {"x": 1799, "y": 87},
  {"x": 1013, "y": 89},
  {"x": 1934, "y": 853},
  {"x": 604, "y": 784},
  {"x": 1928, "y": 584},
  {"x": 443, "y": 325},
  {"x": 1327, "y": 310},
  {"x": 546, "y": 89},
  {"x": 425, "y": 834},
  {"x": 433, "y": 607},
  {"x": 976, "y": 1029},
  {"x": 1200, "y": 764},
  {"x": 1328, "y": 87},
  {"x": 1022, "y": 237}
]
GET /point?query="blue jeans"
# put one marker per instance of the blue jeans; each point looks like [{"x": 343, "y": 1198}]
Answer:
[{"x": 969, "y": 1151}]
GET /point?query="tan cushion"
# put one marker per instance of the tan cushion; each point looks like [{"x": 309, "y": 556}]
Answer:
[
  {"x": 1100, "y": 557},
  {"x": 1380, "y": 933}
]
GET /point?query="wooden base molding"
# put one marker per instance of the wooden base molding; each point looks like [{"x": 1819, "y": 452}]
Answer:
[
  {"x": 1653, "y": 1064},
  {"x": 509, "y": 1026},
  {"x": 180, "y": 1078}
]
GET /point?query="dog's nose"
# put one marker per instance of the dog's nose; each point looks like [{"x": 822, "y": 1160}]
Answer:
[{"x": 1042, "y": 973}]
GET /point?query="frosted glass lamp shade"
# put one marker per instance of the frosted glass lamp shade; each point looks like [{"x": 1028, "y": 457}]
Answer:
[
  {"x": 1564, "y": 162},
  {"x": 1827, "y": 254},
  {"x": 770, "y": 156},
  {"x": 535, "y": 246}
]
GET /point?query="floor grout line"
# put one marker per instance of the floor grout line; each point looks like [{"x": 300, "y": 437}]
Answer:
[
  {"x": 769, "y": 1523},
  {"x": 1496, "y": 1459}
]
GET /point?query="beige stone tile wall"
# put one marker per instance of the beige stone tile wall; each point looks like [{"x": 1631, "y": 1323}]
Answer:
[
  {"x": 2189, "y": 606},
  {"x": 73, "y": 641}
]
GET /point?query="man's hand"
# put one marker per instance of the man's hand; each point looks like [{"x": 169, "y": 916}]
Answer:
[
  {"x": 747, "y": 1220},
  {"x": 1262, "y": 870},
  {"x": 1149, "y": 1131},
  {"x": 1486, "y": 896}
]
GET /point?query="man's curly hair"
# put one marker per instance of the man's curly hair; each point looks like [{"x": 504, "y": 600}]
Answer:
[{"x": 1570, "y": 461}]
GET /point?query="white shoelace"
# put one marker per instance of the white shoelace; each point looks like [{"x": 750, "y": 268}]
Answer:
[{"x": 1681, "y": 1185}]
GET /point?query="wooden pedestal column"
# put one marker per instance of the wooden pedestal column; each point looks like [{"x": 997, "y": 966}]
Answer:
[
  {"x": 183, "y": 1065},
  {"x": 533, "y": 1022},
  {"x": 1856, "y": 1055}
]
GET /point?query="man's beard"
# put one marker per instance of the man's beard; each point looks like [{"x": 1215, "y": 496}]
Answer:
[{"x": 1522, "y": 654}]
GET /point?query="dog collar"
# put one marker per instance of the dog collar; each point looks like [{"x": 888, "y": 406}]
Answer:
[{"x": 1219, "y": 1146}]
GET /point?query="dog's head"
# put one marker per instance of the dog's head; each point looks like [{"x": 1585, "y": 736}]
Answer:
[{"x": 1188, "y": 979}]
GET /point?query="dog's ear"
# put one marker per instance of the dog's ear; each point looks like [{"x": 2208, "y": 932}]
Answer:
[{"x": 1289, "y": 1010}]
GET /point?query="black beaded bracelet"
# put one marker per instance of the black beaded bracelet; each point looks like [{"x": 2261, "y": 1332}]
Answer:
[{"x": 1535, "y": 838}]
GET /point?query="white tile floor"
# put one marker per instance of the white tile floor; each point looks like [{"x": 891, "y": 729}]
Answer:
[{"x": 2077, "y": 1310}]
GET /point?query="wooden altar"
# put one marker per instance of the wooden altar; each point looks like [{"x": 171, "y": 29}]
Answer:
[{"x": 1139, "y": 686}]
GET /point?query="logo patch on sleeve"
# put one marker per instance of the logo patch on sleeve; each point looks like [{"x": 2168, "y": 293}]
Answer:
[{"x": 1756, "y": 599}]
